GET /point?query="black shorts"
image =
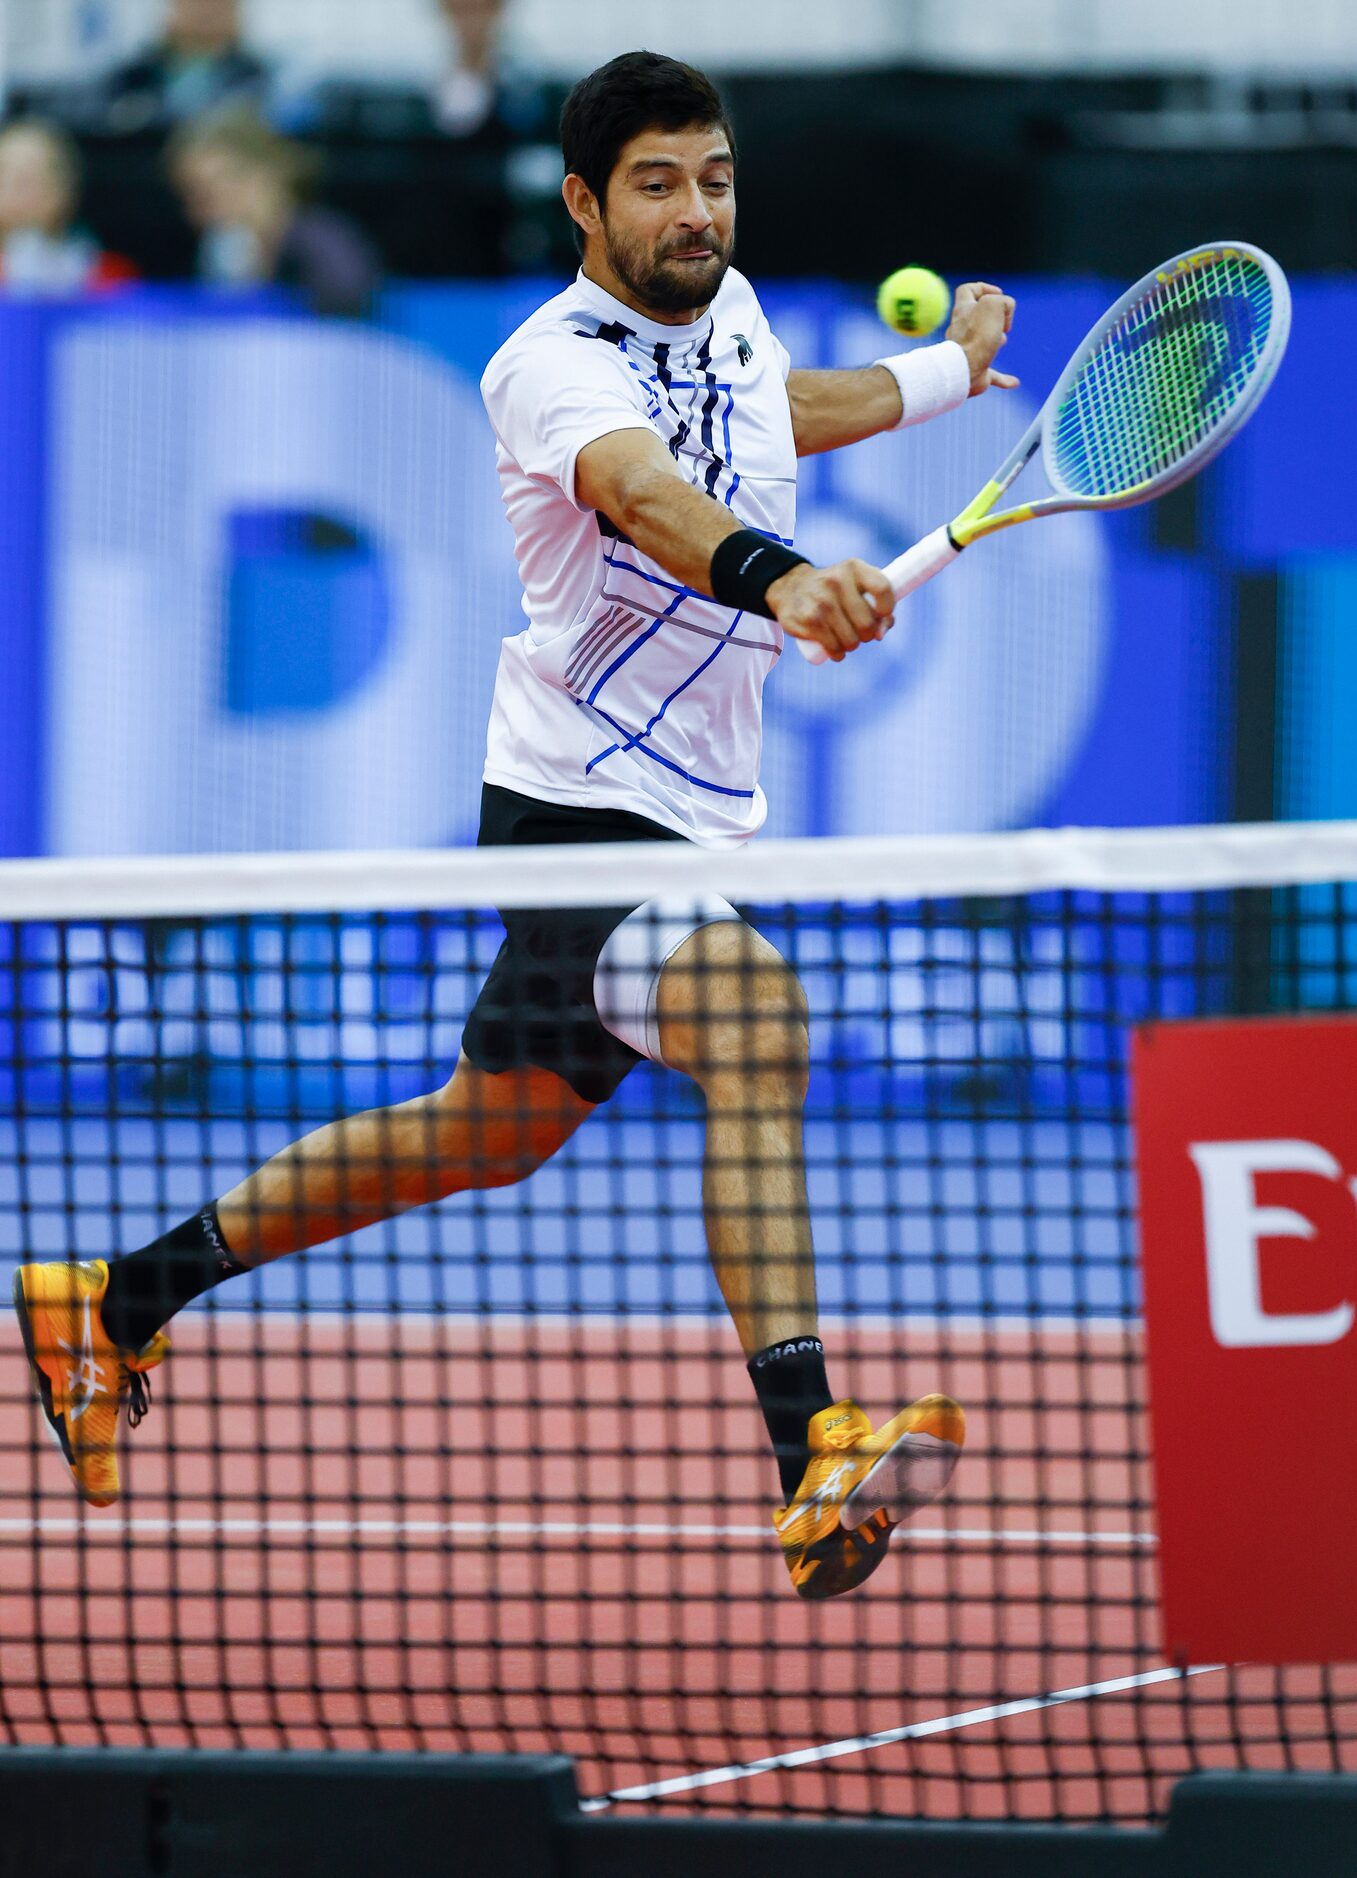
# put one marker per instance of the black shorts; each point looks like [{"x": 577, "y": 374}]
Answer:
[{"x": 537, "y": 1005}]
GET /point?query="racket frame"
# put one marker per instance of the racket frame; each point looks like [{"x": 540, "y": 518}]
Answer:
[
  {"x": 927, "y": 558},
  {"x": 977, "y": 519}
]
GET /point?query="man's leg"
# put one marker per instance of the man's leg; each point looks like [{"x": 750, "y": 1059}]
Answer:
[
  {"x": 92, "y": 1329},
  {"x": 479, "y": 1130},
  {"x": 732, "y": 1015}
]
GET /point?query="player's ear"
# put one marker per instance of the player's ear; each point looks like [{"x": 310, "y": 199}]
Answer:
[{"x": 582, "y": 203}]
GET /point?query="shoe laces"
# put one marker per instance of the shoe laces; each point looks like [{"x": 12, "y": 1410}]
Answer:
[
  {"x": 139, "y": 1396},
  {"x": 848, "y": 1428}
]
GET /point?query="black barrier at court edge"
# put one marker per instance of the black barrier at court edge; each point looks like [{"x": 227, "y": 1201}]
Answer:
[
  {"x": 124, "y": 1813},
  {"x": 112, "y": 1813}
]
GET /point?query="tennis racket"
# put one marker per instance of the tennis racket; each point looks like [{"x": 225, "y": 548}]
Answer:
[{"x": 1159, "y": 387}]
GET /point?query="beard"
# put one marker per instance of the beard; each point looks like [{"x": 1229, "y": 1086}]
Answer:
[{"x": 666, "y": 285}]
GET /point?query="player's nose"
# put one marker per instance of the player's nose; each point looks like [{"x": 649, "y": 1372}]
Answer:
[{"x": 692, "y": 211}]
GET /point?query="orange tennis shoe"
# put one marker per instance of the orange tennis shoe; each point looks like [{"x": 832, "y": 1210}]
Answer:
[
  {"x": 81, "y": 1376},
  {"x": 860, "y": 1484}
]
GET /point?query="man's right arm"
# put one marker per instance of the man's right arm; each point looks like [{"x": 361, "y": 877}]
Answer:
[{"x": 631, "y": 478}]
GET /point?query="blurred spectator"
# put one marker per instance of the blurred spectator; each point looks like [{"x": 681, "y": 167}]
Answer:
[
  {"x": 486, "y": 91},
  {"x": 496, "y": 112},
  {"x": 465, "y": 97},
  {"x": 198, "y": 65},
  {"x": 42, "y": 251},
  {"x": 245, "y": 189}
]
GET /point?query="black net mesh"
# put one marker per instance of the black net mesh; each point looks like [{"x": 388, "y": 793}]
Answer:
[{"x": 490, "y": 1474}]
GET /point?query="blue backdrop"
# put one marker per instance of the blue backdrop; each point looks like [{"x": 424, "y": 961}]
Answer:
[
  {"x": 254, "y": 577},
  {"x": 253, "y": 580}
]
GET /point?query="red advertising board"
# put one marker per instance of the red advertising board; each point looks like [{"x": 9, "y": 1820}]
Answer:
[{"x": 1246, "y": 1138}]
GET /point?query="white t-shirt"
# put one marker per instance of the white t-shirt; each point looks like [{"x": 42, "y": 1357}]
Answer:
[{"x": 628, "y": 690}]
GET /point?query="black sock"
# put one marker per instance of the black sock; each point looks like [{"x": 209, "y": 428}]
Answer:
[
  {"x": 789, "y": 1380},
  {"x": 146, "y": 1288}
]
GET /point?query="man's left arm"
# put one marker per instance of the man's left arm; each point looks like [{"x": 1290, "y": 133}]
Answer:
[{"x": 833, "y": 408}]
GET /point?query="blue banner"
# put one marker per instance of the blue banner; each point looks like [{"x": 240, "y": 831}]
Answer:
[{"x": 254, "y": 576}]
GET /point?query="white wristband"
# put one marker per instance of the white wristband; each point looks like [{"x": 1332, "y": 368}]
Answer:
[{"x": 932, "y": 380}]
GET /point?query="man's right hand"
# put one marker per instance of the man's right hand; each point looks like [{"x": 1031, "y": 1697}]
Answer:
[
  {"x": 981, "y": 317},
  {"x": 837, "y": 607}
]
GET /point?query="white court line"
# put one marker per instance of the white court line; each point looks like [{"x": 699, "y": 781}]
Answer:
[
  {"x": 377, "y": 1317},
  {"x": 93, "y": 1527},
  {"x": 377, "y": 1323},
  {"x": 914, "y": 1731}
]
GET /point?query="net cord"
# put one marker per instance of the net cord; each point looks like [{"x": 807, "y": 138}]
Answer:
[{"x": 852, "y": 869}]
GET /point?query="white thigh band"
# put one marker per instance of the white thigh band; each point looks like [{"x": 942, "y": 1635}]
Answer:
[{"x": 627, "y": 975}]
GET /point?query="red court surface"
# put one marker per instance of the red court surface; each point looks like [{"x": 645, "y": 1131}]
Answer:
[{"x": 508, "y": 1535}]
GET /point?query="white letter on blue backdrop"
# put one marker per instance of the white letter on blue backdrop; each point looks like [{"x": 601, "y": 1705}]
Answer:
[{"x": 161, "y": 434}]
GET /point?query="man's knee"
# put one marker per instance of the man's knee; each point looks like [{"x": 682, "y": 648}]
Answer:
[{"x": 730, "y": 1007}]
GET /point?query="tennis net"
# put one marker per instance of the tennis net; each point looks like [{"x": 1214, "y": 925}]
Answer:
[{"x": 490, "y": 1474}]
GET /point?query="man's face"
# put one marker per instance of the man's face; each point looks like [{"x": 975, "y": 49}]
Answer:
[
  {"x": 202, "y": 25},
  {"x": 669, "y": 217},
  {"x": 34, "y": 190},
  {"x": 217, "y": 188},
  {"x": 475, "y": 23}
]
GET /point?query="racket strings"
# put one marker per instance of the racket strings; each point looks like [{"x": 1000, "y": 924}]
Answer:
[{"x": 1163, "y": 379}]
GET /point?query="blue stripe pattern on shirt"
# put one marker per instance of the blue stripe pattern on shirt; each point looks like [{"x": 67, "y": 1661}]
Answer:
[
  {"x": 726, "y": 416},
  {"x": 710, "y": 391},
  {"x": 680, "y": 436},
  {"x": 709, "y": 405},
  {"x": 634, "y": 739},
  {"x": 655, "y": 757},
  {"x": 633, "y": 648}
]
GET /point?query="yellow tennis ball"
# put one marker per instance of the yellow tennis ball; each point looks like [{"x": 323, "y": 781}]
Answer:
[{"x": 914, "y": 301}]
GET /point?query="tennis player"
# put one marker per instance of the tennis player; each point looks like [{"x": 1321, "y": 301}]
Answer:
[{"x": 648, "y": 425}]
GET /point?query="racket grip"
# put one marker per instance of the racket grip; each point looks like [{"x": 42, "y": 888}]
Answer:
[
  {"x": 908, "y": 571},
  {"x": 919, "y": 563}
]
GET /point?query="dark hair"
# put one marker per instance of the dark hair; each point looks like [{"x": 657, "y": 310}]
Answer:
[
  {"x": 244, "y": 135},
  {"x": 638, "y": 91}
]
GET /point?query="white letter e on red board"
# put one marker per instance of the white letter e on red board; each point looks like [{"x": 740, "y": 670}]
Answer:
[{"x": 1235, "y": 1223}]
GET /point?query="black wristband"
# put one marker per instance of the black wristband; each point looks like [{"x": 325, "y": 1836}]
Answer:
[{"x": 744, "y": 567}]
